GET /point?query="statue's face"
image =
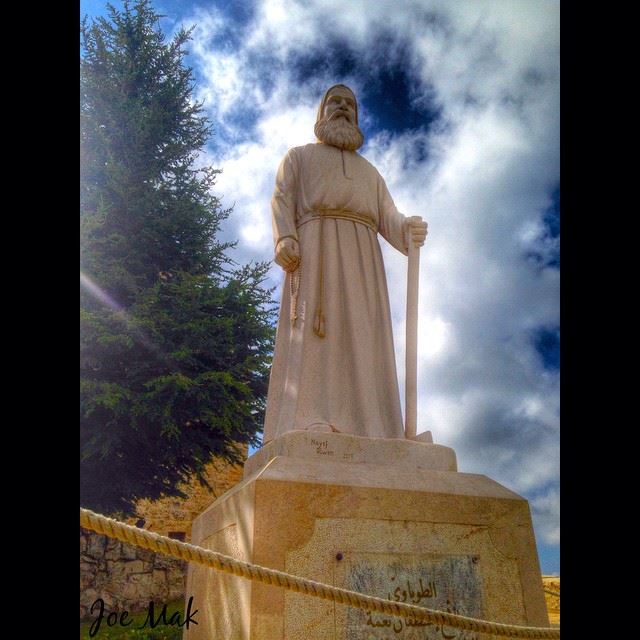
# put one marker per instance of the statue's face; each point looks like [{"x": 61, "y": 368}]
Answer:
[
  {"x": 340, "y": 104},
  {"x": 338, "y": 122}
]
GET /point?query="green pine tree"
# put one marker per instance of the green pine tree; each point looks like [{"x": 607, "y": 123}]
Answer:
[{"x": 176, "y": 339}]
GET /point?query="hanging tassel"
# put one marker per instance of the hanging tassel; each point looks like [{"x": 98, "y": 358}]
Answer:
[{"x": 318, "y": 323}]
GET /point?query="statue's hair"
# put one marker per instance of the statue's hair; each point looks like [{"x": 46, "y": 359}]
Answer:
[{"x": 326, "y": 95}]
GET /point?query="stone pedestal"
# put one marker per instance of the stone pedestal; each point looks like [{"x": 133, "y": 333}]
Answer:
[{"x": 390, "y": 518}]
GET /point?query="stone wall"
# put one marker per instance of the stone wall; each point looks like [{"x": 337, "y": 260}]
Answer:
[
  {"x": 171, "y": 516},
  {"x": 552, "y": 585},
  {"x": 125, "y": 576}
]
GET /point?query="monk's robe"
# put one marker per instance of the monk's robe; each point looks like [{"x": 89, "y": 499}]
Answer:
[{"x": 334, "y": 362}]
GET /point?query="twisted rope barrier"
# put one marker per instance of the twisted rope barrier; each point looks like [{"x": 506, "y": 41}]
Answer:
[{"x": 192, "y": 553}]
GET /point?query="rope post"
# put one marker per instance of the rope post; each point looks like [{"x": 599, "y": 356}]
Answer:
[{"x": 411, "y": 347}]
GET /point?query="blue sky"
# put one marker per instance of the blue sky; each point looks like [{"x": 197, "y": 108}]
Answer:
[{"x": 459, "y": 104}]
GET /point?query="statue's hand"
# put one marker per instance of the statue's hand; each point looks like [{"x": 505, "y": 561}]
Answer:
[
  {"x": 288, "y": 254},
  {"x": 416, "y": 230}
]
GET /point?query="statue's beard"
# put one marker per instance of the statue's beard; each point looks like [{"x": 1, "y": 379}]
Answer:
[{"x": 339, "y": 132}]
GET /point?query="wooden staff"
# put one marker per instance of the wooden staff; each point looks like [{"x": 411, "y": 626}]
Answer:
[{"x": 411, "y": 348}]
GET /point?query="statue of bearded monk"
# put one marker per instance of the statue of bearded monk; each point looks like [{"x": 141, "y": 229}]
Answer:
[{"x": 334, "y": 366}]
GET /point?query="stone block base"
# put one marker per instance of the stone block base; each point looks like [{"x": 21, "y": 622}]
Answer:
[{"x": 390, "y": 518}]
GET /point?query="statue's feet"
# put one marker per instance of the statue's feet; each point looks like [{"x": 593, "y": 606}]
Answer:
[{"x": 321, "y": 427}]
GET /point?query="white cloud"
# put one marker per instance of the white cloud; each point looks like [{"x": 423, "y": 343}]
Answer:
[{"x": 546, "y": 516}]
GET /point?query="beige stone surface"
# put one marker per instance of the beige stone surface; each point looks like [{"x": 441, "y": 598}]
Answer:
[
  {"x": 329, "y": 206},
  {"x": 552, "y": 586},
  {"x": 174, "y": 515},
  {"x": 369, "y": 546},
  {"x": 424, "y": 436},
  {"x": 348, "y": 523},
  {"x": 349, "y": 449}
]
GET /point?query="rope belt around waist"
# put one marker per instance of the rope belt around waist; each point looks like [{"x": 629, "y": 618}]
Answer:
[
  {"x": 321, "y": 214},
  {"x": 341, "y": 214}
]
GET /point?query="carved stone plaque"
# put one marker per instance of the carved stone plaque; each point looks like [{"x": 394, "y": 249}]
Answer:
[{"x": 446, "y": 582}]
